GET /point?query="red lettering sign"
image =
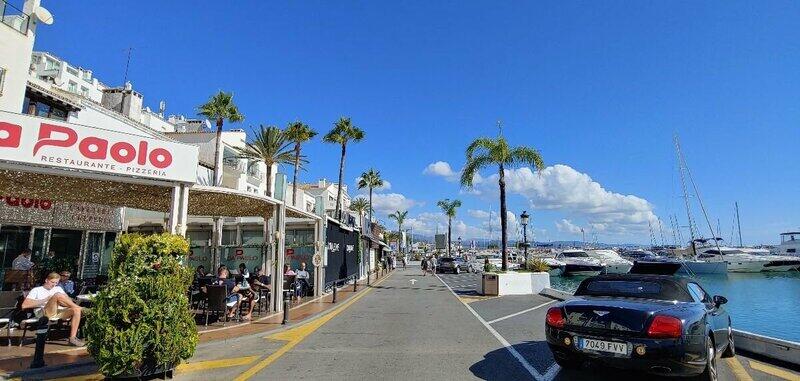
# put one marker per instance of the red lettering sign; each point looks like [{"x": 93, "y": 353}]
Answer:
[
  {"x": 90, "y": 147},
  {"x": 10, "y": 135}
]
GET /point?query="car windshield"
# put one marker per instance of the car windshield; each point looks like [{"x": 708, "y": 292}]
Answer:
[
  {"x": 446, "y": 260},
  {"x": 633, "y": 288}
]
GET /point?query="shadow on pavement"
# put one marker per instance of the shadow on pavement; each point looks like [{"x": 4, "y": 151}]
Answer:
[{"x": 493, "y": 368}]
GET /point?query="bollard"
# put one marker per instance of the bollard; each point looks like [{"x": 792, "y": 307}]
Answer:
[
  {"x": 334, "y": 293},
  {"x": 369, "y": 275},
  {"x": 355, "y": 284},
  {"x": 287, "y": 300},
  {"x": 41, "y": 339}
]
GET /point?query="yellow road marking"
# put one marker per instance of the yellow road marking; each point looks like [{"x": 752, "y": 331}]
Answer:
[
  {"x": 183, "y": 368},
  {"x": 738, "y": 369},
  {"x": 296, "y": 335},
  {"x": 786, "y": 375},
  {"x": 214, "y": 364}
]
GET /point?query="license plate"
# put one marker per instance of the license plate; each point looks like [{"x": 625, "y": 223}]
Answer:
[{"x": 604, "y": 346}]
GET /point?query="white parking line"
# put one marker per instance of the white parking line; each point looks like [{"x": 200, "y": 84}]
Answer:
[
  {"x": 520, "y": 312},
  {"x": 547, "y": 376}
]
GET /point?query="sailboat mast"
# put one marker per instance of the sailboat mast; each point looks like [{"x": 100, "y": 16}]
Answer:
[
  {"x": 683, "y": 187},
  {"x": 738, "y": 223}
]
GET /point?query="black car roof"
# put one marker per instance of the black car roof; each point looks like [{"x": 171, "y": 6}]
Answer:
[{"x": 676, "y": 287}]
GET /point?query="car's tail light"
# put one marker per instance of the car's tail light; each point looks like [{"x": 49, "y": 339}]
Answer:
[
  {"x": 665, "y": 327},
  {"x": 555, "y": 318}
]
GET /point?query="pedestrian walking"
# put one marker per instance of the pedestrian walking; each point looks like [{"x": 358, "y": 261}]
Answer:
[
  {"x": 424, "y": 266},
  {"x": 432, "y": 264},
  {"x": 404, "y": 262}
]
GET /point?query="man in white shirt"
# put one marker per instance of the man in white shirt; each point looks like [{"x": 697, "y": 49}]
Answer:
[
  {"x": 302, "y": 279},
  {"x": 22, "y": 261},
  {"x": 51, "y": 301}
]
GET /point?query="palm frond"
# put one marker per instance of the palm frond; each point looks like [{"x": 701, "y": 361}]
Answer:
[
  {"x": 473, "y": 166},
  {"x": 526, "y": 156},
  {"x": 480, "y": 144}
]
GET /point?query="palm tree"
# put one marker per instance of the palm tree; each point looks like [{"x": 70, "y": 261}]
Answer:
[
  {"x": 370, "y": 179},
  {"x": 342, "y": 133},
  {"x": 485, "y": 152},
  {"x": 400, "y": 217},
  {"x": 360, "y": 205},
  {"x": 299, "y": 133},
  {"x": 270, "y": 146},
  {"x": 220, "y": 108},
  {"x": 449, "y": 209}
]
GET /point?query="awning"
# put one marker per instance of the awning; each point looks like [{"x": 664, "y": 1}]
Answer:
[{"x": 40, "y": 90}]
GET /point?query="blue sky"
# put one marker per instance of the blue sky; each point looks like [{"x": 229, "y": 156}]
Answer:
[{"x": 598, "y": 87}]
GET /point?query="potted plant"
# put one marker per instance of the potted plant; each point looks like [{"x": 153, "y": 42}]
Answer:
[{"x": 141, "y": 324}]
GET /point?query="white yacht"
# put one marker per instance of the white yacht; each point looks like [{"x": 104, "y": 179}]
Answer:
[
  {"x": 615, "y": 264},
  {"x": 790, "y": 244},
  {"x": 740, "y": 261},
  {"x": 556, "y": 266},
  {"x": 578, "y": 262}
]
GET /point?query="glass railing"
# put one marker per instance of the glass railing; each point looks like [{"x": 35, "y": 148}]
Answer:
[{"x": 14, "y": 17}]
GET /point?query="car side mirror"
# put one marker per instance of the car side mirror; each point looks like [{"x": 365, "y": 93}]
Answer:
[{"x": 719, "y": 300}]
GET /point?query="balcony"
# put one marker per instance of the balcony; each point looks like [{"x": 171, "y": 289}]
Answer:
[
  {"x": 14, "y": 17},
  {"x": 254, "y": 176}
]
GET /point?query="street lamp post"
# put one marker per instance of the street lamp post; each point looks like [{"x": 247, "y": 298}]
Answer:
[{"x": 524, "y": 220}]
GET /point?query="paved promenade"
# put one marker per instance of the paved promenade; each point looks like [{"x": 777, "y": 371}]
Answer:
[{"x": 409, "y": 327}]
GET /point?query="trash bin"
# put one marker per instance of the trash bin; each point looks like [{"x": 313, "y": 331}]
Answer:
[{"x": 490, "y": 284}]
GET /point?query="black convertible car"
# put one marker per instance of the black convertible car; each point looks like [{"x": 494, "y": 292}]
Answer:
[{"x": 658, "y": 324}]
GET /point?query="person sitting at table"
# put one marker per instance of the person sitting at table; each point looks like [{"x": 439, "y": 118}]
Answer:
[
  {"x": 287, "y": 270},
  {"x": 51, "y": 301},
  {"x": 199, "y": 272},
  {"x": 23, "y": 261},
  {"x": 243, "y": 271},
  {"x": 66, "y": 284},
  {"x": 258, "y": 281},
  {"x": 302, "y": 279},
  {"x": 232, "y": 290}
]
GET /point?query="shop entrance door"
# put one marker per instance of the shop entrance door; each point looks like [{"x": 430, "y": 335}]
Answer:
[
  {"x": 39, "y": 243},
  {"x": 65, "y": 246}
]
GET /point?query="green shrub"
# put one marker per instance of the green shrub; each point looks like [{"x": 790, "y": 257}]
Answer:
[
  {"x": 537, "y": 265},
  {"x": 142, "y": 318}
]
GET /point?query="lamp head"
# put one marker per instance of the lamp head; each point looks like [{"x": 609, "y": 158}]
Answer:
[{"x": 524, "y": 217}]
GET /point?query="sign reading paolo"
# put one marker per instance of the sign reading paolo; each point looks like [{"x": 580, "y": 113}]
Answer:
[{"x": 31, "y": 140}]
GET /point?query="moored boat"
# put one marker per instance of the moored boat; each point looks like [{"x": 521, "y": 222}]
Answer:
[{"x": 577, "y": 262}]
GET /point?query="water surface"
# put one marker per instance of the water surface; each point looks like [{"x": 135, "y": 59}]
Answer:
[{"x": 763, "y": 303}]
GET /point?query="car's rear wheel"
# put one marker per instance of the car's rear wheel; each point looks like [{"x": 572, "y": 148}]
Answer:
[
  {"x": 710, "y": 372},
  {"x": 730, "y": 351}
]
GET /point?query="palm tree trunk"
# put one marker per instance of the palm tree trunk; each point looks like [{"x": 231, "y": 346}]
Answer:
[
  {"x": 269, "y": 180},
  {"x": 449, "y": 234},
  {"x": 217, "y": 152},
  {"x": 294, "y": 177},
  {"x": 339, "y": 186},
  {"x": 370, "y": 209},
  {"x": 503, "y": 222}
]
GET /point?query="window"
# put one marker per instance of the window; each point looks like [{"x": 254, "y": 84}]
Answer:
[
  {"x": 84, "y": 91},
  {"x": 73, "y": 87},
  {"x": 72, "y": 71},
  {"x": 51, "y": 64},
  {"x": 791, "y": 250},
  {"x": 2, "y": 79},
  {"x": 229, "y": 237},
  {"x": 698, "y": 294}
]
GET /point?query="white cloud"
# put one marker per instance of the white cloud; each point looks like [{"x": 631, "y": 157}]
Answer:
[
  {"x": 566, "y": 226},
  {"x": 385, "y": 187},
  {"x": 391, "y": 202},
  {"x": 428, "y": 223},
  {"x": 480, "y": 214},
  {"x": 442, "y": 169},
  {"x": 560, "y": 187}
]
